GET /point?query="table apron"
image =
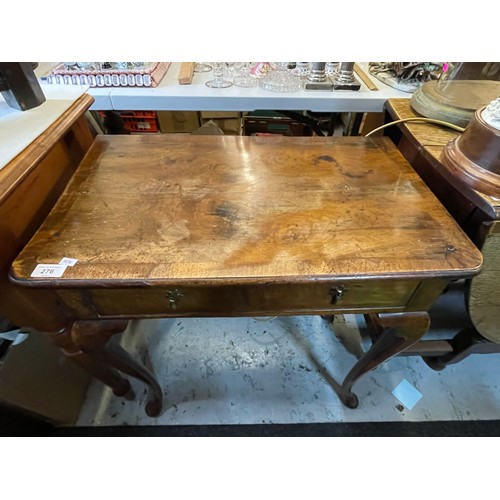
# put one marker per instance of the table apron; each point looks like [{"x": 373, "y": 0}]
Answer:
[{"x": 241, "y": 300}]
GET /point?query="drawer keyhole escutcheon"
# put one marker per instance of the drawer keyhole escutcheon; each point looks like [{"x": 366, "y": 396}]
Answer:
[
  {"x": 337, "y": 292},
  {"x": 173, "y": 296}
]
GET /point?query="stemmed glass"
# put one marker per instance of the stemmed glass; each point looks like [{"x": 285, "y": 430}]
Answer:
[
  {"x": 218, "y": 82},
  {"x": 245, "y": 80},
  {"x": 229, "y": 70}
]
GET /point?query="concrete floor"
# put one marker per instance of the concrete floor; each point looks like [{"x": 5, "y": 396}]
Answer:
[{"x": 286, "y": 369}]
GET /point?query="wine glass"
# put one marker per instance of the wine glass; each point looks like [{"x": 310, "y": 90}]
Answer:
[
  {"x": 229, "y": 70},
  {"x": 218, "y": 82},
  {"x": 245, "y": 80}
]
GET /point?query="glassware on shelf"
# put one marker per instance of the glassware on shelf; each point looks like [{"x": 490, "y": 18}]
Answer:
[
  {"x": 260, "y": 69},
  {"x": 218, "y": 82},
  {"x": 245, "y": 79},
  {"x": 280, "y": 79},
  {"x": 301, "y": 70},
  {"x": 470, "y": 85},
  {"x": 200, "y": 67},
  {"x": 230, "y": 69}
]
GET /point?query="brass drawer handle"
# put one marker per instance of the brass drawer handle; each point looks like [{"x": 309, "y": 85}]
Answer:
[
  {"x": 173, "y": 296},
  {"x": 337, "y": 292}
]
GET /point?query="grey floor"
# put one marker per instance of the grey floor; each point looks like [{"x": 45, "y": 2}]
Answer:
[{"x": 286, "y": 369}]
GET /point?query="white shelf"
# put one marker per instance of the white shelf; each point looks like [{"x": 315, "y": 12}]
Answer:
[{"x": 169, "y": 95}]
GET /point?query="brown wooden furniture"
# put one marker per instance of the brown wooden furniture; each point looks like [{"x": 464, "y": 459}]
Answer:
[
  {"x": 177, "y": 226},
  {"x": 476, "y": 212},
  {"x": 29, "y": 186},
  {"x": 474, "y": 156}
]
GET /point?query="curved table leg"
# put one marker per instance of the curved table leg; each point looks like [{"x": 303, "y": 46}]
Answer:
[
  {"x": 434, "y": 362},
  {"x": 92, "y": 336},
  {"x": 120, "y": 359},
  {"x": 96, "y": 367},
  {"x": 398, "y": 332}
]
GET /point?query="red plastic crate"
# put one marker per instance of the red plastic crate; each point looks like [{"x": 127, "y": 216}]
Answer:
[{"x": 138, "y": 121}]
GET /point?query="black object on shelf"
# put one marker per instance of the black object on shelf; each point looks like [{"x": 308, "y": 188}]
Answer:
[{"x": 19, "y": 85}]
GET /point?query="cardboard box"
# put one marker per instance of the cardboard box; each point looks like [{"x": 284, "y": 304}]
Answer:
[
  {"x": 178, "y": 121},
  {"x": 230, "y": 126},
  {"x": 219, "y": 115},
  {"x": 209, "y": 128},
  {"x": 37, "y": 378}
]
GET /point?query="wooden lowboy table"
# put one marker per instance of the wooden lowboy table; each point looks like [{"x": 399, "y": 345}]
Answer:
[{"x": 177, "y": 226}]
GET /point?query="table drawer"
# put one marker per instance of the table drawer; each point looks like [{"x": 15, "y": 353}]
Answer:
[{"x": 232, "y": 300}]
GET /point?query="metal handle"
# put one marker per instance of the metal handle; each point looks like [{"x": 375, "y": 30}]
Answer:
[
  {"x": 173, "y": 296},
  {"x": 337, "y": 292}
]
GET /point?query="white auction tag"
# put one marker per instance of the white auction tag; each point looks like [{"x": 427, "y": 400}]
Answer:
[
  {"x": 48, "y": 271},
  {"x": 66, "y": 261},
  {"x": 407, "y": 394}
]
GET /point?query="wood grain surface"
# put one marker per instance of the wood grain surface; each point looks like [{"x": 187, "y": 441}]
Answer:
[
  {"x": 185, "y": 76},
  {"x": 364, "y": 77},
  {"x": 173, "y": 209},
  {"x": 29, "y": 186},
  {"x": 429, "y": 136},
  {"x": 432, "y": 139}
]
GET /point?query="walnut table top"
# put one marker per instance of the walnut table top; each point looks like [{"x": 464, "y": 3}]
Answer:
[{"x": 171, "y": 209}]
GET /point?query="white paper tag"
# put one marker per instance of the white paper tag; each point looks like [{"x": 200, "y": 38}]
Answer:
[
  {"x": 407, "y": 394},
  {"x": 48, "y": 271},
  {"x": 66, "y": 261}
]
